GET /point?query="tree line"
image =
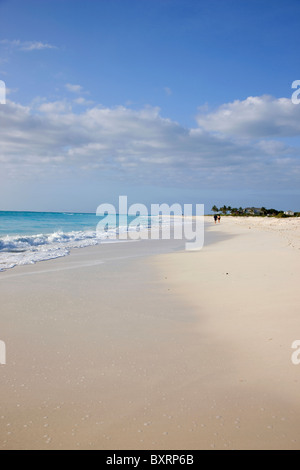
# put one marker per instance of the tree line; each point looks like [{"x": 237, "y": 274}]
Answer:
[{"x": 252, "y": 211}]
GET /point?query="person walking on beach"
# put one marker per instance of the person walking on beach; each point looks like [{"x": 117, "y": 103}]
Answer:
[
  {"x": 219, "y": 218},
  {"x": 216, "y": 218}
]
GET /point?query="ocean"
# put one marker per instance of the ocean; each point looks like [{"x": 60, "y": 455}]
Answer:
[{"x": 30, "y": 237}]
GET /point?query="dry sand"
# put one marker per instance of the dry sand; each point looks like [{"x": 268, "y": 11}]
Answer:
[
  {"x": 245, "y": 292},
  {"x": 142, "y": 346}
]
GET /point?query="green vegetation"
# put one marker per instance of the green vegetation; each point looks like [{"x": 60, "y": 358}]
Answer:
[{"x": 254, "y": 212}]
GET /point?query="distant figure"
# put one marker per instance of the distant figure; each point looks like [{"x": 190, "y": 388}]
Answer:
[
  {"x": 216, "y": 218},
  {"x": 219, "y": 218}
]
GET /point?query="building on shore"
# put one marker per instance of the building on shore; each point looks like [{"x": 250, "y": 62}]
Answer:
[
  {"x": 291, "y": 213},
  {"x": 253, "y": 211}
]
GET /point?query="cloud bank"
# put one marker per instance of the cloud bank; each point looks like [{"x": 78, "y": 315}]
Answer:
[
  {"x": 237, "y": 146},
  {"x": 256, "y": 117}
]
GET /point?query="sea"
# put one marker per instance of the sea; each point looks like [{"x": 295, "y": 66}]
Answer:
[{"x": 30, "y": 237}]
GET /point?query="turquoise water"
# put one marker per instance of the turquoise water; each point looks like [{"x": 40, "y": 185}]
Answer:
[
  {"x": 33, "y": 223},
  {"x": 29, "y": 237}
]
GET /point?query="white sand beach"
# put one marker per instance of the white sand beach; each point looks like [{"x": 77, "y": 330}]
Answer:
[{"x": 143, "y": 345}]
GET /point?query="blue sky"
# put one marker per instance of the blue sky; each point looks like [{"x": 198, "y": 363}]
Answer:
[{"x": 162, "y": 100}]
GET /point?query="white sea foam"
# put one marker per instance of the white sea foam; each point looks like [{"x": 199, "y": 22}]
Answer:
[
  {"x": 23, "y": 250},
  {"x": 18, "y": 250}
]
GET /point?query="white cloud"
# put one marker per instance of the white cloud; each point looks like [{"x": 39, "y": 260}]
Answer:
[
  {"x": 83, "y": 102},
  {"x": 55, "y": 107},
  {"x": 74, "y": 88},
  {"x": 256, "y": 117},
  {"x": 141, "y": 145},
  {"x": 27, "y": 46},
  {"x": 10, "y": 91},
  {"x": 168, "y": 91},
  {"x": 36, "y": 46}
]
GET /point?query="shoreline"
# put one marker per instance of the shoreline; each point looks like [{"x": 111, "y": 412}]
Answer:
[
  {"x": 24, "y": 249},
  {"x": 145, "y": 346}
]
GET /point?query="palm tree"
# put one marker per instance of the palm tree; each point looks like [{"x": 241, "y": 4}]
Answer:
[
  {"x": 224, "y": 210},
  {"x": 215, "y": 209}
]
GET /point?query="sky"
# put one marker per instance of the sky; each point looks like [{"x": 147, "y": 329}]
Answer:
[{"x": 186, "y": 101}]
